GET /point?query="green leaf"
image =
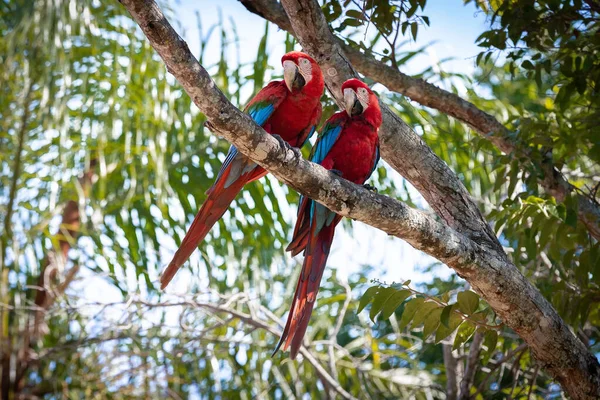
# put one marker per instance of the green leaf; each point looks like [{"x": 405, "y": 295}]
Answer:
[
  {"x": 513, "y": 178},
  {"x": 454, "y": 321},
  {"x": 445, "y": 297},
  {"x": 571, "y": 218},
  {"x": 490, "y": 340},
  {"x": 379, "y": 300},
  {"x": 431, "y": 322},
  {"x": 568, "y": 258},
  {"x": 446, "y": 314},
  {"x": 352, "y": 22},
  {"x": 355, "y": 14},
  {"x": 409, "y": 311},
  {"x": 367, "y": 296},
  {"x": 465, "y": 331},
  {"x": 413, "y": 29},
  {"x": 423, "y": 312},
  {"x": 394, "y": 302},
  {"x": 527, "y": 64},
  {"x": 468, "y": 302}
]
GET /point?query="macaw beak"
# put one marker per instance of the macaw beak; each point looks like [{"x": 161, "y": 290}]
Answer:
[
  {"x": 351, "y": 103},
  {"x": 292, "y": 76}
]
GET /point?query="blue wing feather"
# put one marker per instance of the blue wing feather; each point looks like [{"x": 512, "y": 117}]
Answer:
[
  {"x": 375, "y": 161},
  {"x": 260, "y": 113},
  {"x": 312, "y": 131},
  {"x": 231, "y": 154},
  {"x": 331, "y": 133}
]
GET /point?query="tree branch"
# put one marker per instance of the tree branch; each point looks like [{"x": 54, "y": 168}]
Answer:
[
  {"x": 449, "y": 103},
  {"x": 451, "y": 373},
  {"x": 520, "y": 305},
  {"x": 471, "y": 367}
]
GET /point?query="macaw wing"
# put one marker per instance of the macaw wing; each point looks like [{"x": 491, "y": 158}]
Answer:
[
  {"x": 303, "y": 140},
  {"x": 235, "y": 165},
  {"x": 260, "y": 108},
  {"x": 375, "y": 159},
  {"x": 321, "y": 216},
  {"x": 329, "y": 135}
]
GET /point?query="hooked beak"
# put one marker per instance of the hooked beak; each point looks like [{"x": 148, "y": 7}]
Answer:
[
  {"x": 351, "y": 103},
  {"x": 292, "y": 76}
]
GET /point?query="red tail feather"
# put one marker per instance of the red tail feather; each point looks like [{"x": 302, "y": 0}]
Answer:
[
  {"x": 301, "y": 230},
  {"x": 219, "y": 199},
  {"x": 315, "y": 260}
]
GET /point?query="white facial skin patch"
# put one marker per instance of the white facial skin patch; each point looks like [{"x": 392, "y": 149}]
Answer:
[
  {"x": 305, "y": 69},
  {"x": 363, "y": 97}
]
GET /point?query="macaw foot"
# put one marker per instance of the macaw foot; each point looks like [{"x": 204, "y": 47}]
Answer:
[
  {"x": 337, "y": 172},
  {"x": 370, "y": 188},
  {"x": 287, "y": 146}
]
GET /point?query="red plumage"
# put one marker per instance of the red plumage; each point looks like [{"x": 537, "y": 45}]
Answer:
[
  {"x": 352, "y": 152},
  {"x": 296, "y": 110}
]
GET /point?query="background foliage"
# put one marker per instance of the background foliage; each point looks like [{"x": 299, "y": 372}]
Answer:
[{"x": 82, "y": 90}]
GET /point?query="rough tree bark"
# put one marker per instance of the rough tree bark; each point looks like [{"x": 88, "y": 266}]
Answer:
[
  {"x": 449, "y": 103},
  {"x": 469, "y": 252}
]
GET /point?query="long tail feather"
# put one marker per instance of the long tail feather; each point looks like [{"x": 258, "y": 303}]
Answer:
[
  {"x": 299, "y": 241},
  {"x": 219, "y": 199},
  {"x": 315, "y": 260},
  {"x": 302, "y": 228}
]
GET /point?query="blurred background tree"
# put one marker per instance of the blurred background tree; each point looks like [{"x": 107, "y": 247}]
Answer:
[{"x": 105, "y": 162}]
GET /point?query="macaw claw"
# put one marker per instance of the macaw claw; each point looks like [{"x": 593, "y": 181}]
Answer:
[
  {"x": 370, "y": 188},
  {"x": 287, "y": 146}
]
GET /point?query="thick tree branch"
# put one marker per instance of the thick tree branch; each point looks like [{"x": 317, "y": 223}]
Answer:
[
  {"x": 449, "y": 103},
  {"x": 520, "y": 305}
]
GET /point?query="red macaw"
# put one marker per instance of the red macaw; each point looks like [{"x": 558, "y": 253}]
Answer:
[
  {"x": 349, "y": 147},
  {"x": 289, "y": 109}
]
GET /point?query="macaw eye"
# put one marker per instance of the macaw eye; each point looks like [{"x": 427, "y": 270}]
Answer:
[
  {"x": 304, "y": 61},
  {"x": 363, "y": 91}
]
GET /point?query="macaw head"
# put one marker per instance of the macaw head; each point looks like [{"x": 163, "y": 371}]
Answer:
[
  {"x": 302, "y": 74},
  {"x": 360, "y": 101}
]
